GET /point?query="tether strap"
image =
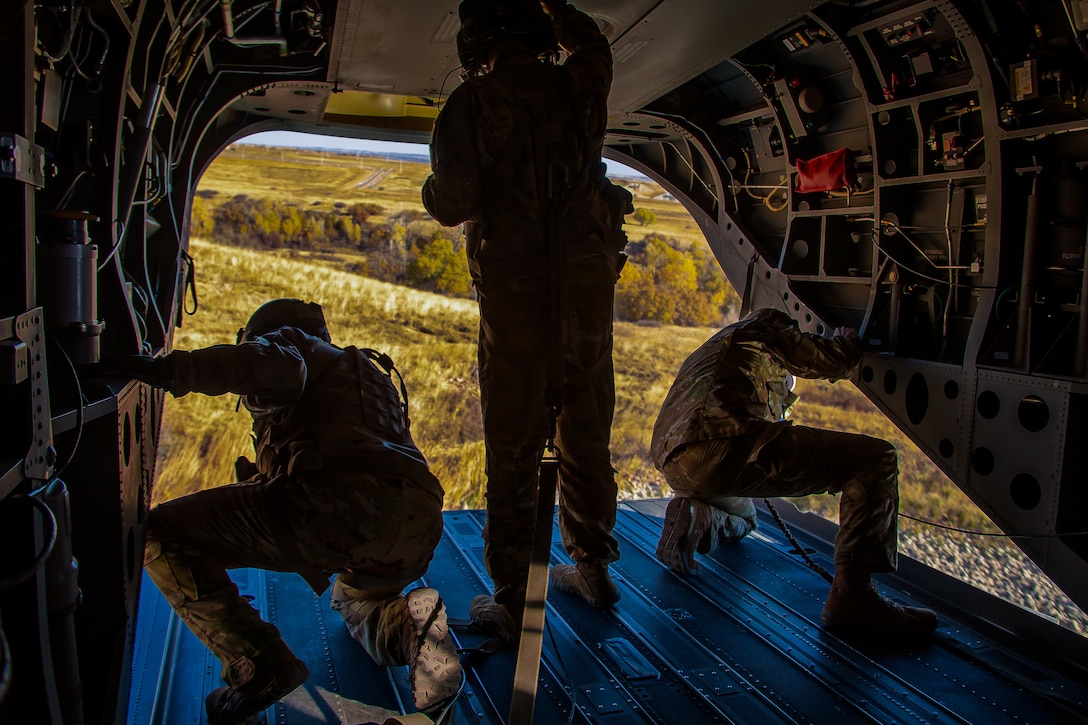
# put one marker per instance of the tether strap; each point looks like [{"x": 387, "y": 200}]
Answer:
[{"x": 527, "y": 672}]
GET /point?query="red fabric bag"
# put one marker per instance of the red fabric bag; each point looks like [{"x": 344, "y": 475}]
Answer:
[{"x": 829, "y": 172}]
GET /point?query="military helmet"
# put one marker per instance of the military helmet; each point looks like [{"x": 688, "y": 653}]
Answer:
[
  {"x": 486, "y": 22},
  {"x": 306, "y": 316}
]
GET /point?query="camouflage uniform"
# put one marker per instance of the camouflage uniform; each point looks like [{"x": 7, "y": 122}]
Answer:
[
  {"x": 721, "y": 434},
  {"x": 329, "y": 494},
  {"x": 493, "y": 136}
]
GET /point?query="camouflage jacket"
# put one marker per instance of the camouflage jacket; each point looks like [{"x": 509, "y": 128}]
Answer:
[
  {"x": 496, "y": 135},
  {"x": 314, "y": 405},
  {"x": 736, "y": 382}
]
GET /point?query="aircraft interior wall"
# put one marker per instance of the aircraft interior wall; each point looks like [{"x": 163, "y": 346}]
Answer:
[{"x": 913, "y": 169}]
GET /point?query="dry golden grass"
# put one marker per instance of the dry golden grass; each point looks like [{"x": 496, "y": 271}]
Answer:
[
  {"x": 433, "y": 341},
  {"x": 202, "y": 436},
  {"x": 318, "y": 179}
]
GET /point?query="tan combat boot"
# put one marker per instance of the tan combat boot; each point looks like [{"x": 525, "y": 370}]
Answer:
[
  {"x": 865, "y": 611},
  {"x": 493, "y": 618},
  {"x": 276, "y": 672},
  {"x": 691, "y": 525},
  {"x": 588, "y": 581}
]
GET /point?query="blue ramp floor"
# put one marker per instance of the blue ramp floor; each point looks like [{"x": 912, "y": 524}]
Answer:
[{"x": 739, "y": 643}]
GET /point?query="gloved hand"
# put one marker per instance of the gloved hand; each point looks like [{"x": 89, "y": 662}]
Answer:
[
  {"x": 551, "y": 7},
  {"x": 154, "y": 371},
  {"x": 244, "y": 469},
  {"x": 849, "y": 334}
]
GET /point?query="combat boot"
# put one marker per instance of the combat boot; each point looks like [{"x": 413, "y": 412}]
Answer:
[
  {"x": 715, "y": 526},
  {"x": 865, "y": 611},
  {"x": 691, "y": 525},
  {"x": 435, "y": 672},
  {"x": 589, "y": 581},
  {"x": 276, "y": 674},
  {"x": 493, "y": 618},
  {"x": 676, "y": 547}
]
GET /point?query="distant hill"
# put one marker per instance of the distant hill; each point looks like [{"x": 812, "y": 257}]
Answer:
[
  {"x": 411, "y": 158},
  {"x": 324, "y": 176}
]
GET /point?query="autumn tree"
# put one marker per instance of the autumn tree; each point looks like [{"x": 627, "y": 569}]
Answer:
[
  {"x": 644, "y": 216},
  {"x": 201, "y": 223},
  {"x": 360, "y": 212},
  {"x": 440, "y": 266},
  {"x": 667, "y": 285}
]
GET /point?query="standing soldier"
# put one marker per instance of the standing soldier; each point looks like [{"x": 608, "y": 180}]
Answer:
[
  {"x": 516, "y": 156},
  {"x": 338, "y": 486},
  {"x": 721, "y": 437}
]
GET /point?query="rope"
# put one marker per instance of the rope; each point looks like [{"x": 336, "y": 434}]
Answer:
[
  {"x": 995, "y": 534},
  {"x": 809, "y": 561}
]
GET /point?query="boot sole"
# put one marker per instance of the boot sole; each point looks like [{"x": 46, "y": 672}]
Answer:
[
  {"x": 896, "y": 630},
  {"x": 436, "y": 674},
  {"x": 674, "y": 537}
]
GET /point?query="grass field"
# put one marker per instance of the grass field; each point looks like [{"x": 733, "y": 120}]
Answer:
[{"x": 433, "y": 340}]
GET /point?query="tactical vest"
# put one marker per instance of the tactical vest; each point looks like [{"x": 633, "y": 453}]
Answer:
[{"x": 348, "y": 403}]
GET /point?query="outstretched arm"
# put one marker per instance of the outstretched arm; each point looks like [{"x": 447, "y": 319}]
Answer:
[
  {"x": 808, "y": 355},
  {"x": 589, "y": 60},
  {"x": 274, "y": 372}
]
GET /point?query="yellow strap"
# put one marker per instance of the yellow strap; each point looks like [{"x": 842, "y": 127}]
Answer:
[{"x": 415, "y": 718}]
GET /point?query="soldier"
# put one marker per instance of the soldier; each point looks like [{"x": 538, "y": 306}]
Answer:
[
  {"x": 516, "y": 156},
  {"x": 721, "y": 437},
  {"x": 338, "y": 486}
]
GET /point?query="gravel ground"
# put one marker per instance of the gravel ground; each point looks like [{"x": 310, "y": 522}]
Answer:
[{"x": 997, "y": 567}]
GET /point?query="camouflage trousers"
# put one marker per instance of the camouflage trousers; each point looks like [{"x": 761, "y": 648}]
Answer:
[
  {"x": 800, "y": 461},
  {"x": 513, "y": 349},
  {"x": 378, "y": 533}
]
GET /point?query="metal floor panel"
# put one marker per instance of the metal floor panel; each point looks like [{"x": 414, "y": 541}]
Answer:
[{"x": 739, "y": 643}]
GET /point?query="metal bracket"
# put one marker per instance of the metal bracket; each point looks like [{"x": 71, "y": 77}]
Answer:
[
  {"x": 22, "y": 160},
  {"x": 40, "y": 457}
]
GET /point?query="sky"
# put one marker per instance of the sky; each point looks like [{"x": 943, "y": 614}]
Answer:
[{"x": 292, "y": 139}]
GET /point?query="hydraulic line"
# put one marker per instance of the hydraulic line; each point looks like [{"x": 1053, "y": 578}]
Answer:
[
  {"x": 1080, "y": 366},
  {"x": 62, "y": 597},
  {"x": 1032, "y": 226}
]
